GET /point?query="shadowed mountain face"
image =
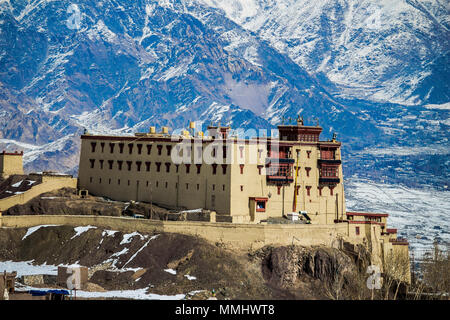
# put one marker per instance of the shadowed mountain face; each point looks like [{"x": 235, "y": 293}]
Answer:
[{"x": 120, "y": 66}]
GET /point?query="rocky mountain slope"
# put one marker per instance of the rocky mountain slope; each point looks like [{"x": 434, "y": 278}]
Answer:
[
  {"x": 115, "y": 66},
  {"x": 172, "y": 264}
]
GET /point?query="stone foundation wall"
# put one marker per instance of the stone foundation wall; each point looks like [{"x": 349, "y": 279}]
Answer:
[
  {"x": 48, "y": 184},
  {"x": 242, "y": 236}
]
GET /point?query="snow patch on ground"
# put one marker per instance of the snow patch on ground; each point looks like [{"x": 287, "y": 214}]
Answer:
[
  {"x": 137, "y": 252},
  {"x": 189, "y": 277},
  {"x": 171, "y": 271},
  {"x": 128, "y": 237},
  {"x": 139, "y": 294},
  {"x": 27, "y": 268},
  {"x": 17, "y": 184},
  {"x": 80, "y": 230},
  {"x": 34, "y": 229}
]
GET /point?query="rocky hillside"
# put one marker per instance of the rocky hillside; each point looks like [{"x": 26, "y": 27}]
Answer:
[{"x": 170, "y": 264}]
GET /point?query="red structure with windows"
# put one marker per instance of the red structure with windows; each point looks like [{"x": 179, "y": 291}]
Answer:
[
  {"x": 279, "y": 167},
  {"x": 328, "y": 165}
]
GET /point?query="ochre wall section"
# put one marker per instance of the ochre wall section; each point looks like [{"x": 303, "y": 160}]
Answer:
[
  {"x": 49, "y": 183},
  {"x": 242, "y": 236}
]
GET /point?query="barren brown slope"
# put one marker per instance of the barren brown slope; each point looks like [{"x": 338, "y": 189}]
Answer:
[{"x": 121, "y": 261}]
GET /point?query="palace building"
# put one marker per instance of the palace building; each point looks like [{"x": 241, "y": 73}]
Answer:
[{"x": 242, "y": 180}]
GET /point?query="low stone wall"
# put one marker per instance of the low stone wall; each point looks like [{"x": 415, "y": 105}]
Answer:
[
  {"x": 242, "y": 236},
  {"x": 48, "y": 184}
]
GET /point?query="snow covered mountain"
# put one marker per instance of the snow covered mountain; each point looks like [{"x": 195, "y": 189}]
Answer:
[
  {"x": 377, "y": 74},
  {"x": 389, "y": 51}
]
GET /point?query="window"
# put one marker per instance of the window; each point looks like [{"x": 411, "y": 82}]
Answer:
[
  {"x": 147, "y": 166},
  {"x": 214, "y": 152},
  {"x": 224, "y": 148},
  {"x": 166, "y": 184},
  {"x": 130, "y": 148},
  {"x": 260, "y": 206},
  {"x": 329, "y": 171},
  {"x": 121, "y": 145},
  {"x": 307, "y": 171},
  {"x": 149, "y": 148},
  {"x": 259, "y": 169},
  {"x": 111, "y": 147},
  {"x": 259, "y": 153},
  {"x": 279, "y": 170},
  {"x": 308, "y": 153},
  {"x": 320, "y": 190},
  {"x": 102, "y": 145},
  {"x": 214, "y": 187},
  {"x": 176, "y": 168},
  {"x": 139, "y": 146},
  {"x": 100, "y": 180},
  {"x": 169, "y": 149},
  {"x": 297, "y": 188},
  {"x": 214, "y": 168},
  {"x": 223, "y": 187},
  {"x": 357, "y": 231},
  {"x": 101, "y": 164},
  {"x": 129, "y": 165},
  {"x": 159, "y": 149},
  {"x": 213, "y": 200},
  {"x": 167, "y": 166},
  {"x": 158, "y": 166},
  {"x": 90, "y": 179},
  {"x": 331, "y": 190},
  {"x": 241, "y": 150},
  {"x": 110, "y": 162},
  {"x": 109, "y": 181},
  {"x": 187, "y": 186},
  {"x": 157, "y": 184},
  {"x": 120, "y": 162},
  {"x": 198, "y": 186},
  {"x": 138, "y": 165},
  {"x": 92, "y": 161},
  {"x": 118, "y": 181},
  {"x": 241, "y": 167},
  {"x": 308, "y": 190},
  {"x": 242, "y": 188},
  {"x": 128, "y": 182},
  {"x": 327, "y": 154},
  {"x": 93, "y": 145},
  {"x": 147, "y": 184},
  {"x": 198, "y": 168},
  {"x": 278, "y": 189},
  {"x": 224, "y": 168},
  {"x": 188, "y": 166}
]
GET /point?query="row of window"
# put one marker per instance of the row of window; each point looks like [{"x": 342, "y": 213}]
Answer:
[
  {"x": 213, "y": 186},
  {"x": 158, "y": 185},
  {"x": 139, "y": 165},
  {"x": 271, "y": 171},
  {"x": 122, "y": 147},
  {"x": 308, "y": 190},
  {"x": 284, "y": 170},
  {"x": 325, "y": 154}
]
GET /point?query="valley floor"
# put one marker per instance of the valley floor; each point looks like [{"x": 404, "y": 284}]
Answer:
[{"x": 421, "y": 215}]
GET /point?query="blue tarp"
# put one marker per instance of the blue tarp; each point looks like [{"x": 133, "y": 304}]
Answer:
[{"x": 44, "y": 292}]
